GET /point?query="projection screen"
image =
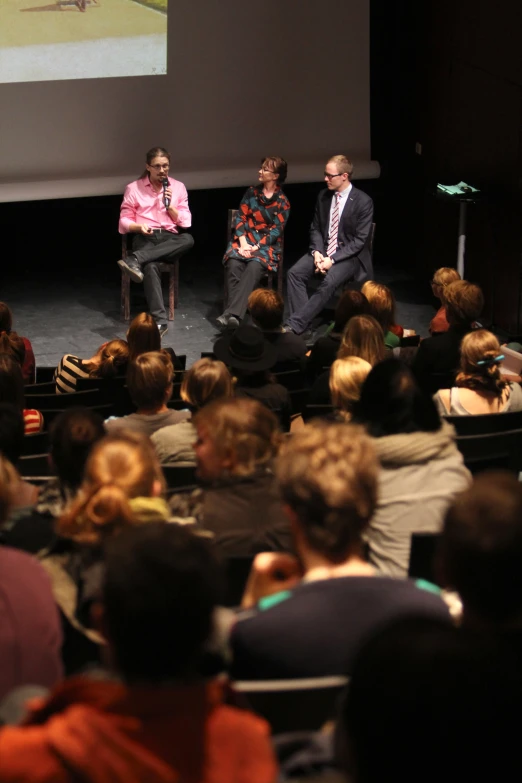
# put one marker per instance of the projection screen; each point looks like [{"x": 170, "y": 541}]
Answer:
[{"x": 283, "y": 77}]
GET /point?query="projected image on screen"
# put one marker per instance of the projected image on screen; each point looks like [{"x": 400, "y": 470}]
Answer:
[{"x": 41, "y": 40}]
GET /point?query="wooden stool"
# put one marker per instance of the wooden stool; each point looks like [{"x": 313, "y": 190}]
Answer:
[{"x": 172, "y": 270}]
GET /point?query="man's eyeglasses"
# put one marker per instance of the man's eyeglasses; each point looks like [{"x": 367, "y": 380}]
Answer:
[
  {"x": 159, "y": 166},
  {"x": 331, "y": 176}
]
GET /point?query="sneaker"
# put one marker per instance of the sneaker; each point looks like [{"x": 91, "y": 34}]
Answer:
[
  {"x": 131, "y": 266},
  {"x": 163, "y": 329},
  {"x": 233, "y": 322},
  {"x": 222, "y": 321}
]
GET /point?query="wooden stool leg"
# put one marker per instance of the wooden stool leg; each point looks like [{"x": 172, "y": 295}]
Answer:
[
  {"x": 125, "y": 296},
  {"x": 280, "y": 278},
  {"x": 176, "y": 287},
  {"x": 172, "y": 289}
]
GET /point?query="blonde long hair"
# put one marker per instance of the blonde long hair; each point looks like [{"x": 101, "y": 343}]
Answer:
[{"x": 120, "y": 467}]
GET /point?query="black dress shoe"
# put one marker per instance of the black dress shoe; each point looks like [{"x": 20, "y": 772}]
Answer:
[
  {"x": 163, "y": 329},
  {"x": 131, "y": 266}
]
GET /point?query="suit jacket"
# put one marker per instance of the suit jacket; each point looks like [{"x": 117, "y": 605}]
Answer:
[{"x": 354, "y": 229}]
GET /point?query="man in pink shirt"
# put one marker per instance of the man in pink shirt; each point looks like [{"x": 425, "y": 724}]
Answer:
[{"x": 154, "y": 208}]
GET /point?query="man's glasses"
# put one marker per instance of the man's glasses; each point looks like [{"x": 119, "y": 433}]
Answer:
[
  {"x": 159, "y": 166},
  {"x": 331, "y": 176}
]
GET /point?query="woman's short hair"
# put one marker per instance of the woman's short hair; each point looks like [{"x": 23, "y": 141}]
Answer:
[
  {"x": 363, "y": 336},
  {"x": 149, "y": 377},
  {"x": 207, "y": 380},
  {"x": 278, "y": 166},
  {"x": 344, "y": 164},
  {"x": 242, "y": 429},
  {"x": 121, "y": 466},
  {"x": 443, "y": 277},
  {"x": 113, "y": 358},
  {"x": 266, "y": 308},
  {"x": 463, "y": 302},
  {"x": 392, "y": 403},
  {"x": 346, "y": 379},
  {"x": 143, "y": 335},
  {"x": 327, "y": 474},
  {"x": 11, "y": 382},
  {"x": 479, "y": 363},
  {"x": 350, "y": 303},
  {"x": 72, "y": 435},
  {"x": 381, "y": 303}
]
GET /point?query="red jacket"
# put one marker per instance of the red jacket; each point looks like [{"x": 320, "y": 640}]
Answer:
[{"x": 107, "y": 732}]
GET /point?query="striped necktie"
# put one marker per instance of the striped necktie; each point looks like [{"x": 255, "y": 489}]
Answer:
[{"x": 334, "y": 229}]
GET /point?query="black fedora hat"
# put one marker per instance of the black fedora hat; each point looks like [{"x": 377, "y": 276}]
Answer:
[{"x": 246, "y": 349}]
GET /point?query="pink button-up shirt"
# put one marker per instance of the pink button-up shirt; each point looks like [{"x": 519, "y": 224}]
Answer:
[{"x": 141, "y": 204}]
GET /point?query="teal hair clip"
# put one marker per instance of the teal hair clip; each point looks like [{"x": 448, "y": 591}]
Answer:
[{"x": 492, "y": 360}]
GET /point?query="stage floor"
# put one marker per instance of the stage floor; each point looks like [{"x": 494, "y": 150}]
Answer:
[{"x": 77, "y": 315}]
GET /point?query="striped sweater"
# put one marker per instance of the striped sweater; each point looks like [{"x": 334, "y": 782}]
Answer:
[{"x": 67, "y": 373}]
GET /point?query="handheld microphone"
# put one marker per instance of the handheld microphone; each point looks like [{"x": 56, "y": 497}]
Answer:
[{"x": 166, "y": 199}]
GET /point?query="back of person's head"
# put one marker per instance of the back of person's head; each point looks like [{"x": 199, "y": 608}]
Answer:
[
  {"x": 434, "y": 700},
  {"x": 381, "y": 302},
  {"x": 149, "y": 379},
  {"x": 363, "y": 337},
  {"x": 72, "y": 435},
  {"x": 442, "y": 278},
  {"x": 112, "y": 359},
  {"x": 327, "y": 476},
  {"x": 391, "y": 402},
  {"x": 207, "y": 380},
  {"x": 350, "y": 303},
  {"x": 6, "y": 318},
  {"x": 12, "y": 344},
  {"x": 143, "y": 335},
  {"x": 11, "y": 382},
  {"x": 346, "y": 379},
  {"x": 9, "y": 478},
  {"x": 11, "y": 432},
  {"x": 463, "y": 302},
  {"x": 120, "y": 467},
  {"x": 480, "y": 354},
  {"x": 266, "y": 308},
  {"x": 160, "y": 588},
  {"x": 244, "y": 433},
  {"x": 481, "y": 549}
]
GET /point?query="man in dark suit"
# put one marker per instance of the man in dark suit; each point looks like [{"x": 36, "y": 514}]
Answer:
[{"x": 338, "y": 245}]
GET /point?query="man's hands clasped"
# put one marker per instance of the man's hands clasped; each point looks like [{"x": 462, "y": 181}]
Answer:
[{"x": 322, "y": 263}]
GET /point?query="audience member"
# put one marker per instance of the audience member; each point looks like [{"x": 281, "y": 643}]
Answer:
[
  {"x": 250, "y": 356},
  {"x": 324, "y": 350},
  {"x": 143, "y": 336},
  {"x": 442, "y": 278},
  {"x": 266, "y": 308},
  {"x": 421, "y": 468},
  {"x": 347, "y": 377},
  {"x": 429, "y": 701},
  {"x": 157, "y": 719},
  {"x": 122, "y": 486},
  {"x": 30, "y": 635},
  {"x": 362, "y": 337},
  {"x": 308, "y": 615},
  {"x": 9, "y": 343},
  {"x": 479, "y": 387},
  {"x": 149, "y": 380},
  {"x": 237, "y": 440},
  {"x": 109, "y": 360},
  {"x": 481, "y": 553},
  {"x": 205, "y": 381},
  {"x": 12, "y": 392},
  {"x": 440, "y": 354},
  {"x": 382, "y": 306}
]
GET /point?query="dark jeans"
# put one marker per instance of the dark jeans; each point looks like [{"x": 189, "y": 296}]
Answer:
[
  {"x": 242, "y": 278},
  {"x": 150, "y": 250},
  {"x": 302, "y": 309}
]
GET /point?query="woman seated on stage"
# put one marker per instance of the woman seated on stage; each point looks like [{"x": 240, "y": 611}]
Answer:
[
  {"x": 237, "y": 441},
  {"x": 382, "y": 306},
  {"x": 108, "y": 361},
  {"x": 257, "y": 238},
  {"x": 207, "y": 380},
  {"x": 362, "y": 337},
  {"x": 143, "y": 337},
  {"x": 10, "y": 343},
  {"x": 480, "y": 387}
]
